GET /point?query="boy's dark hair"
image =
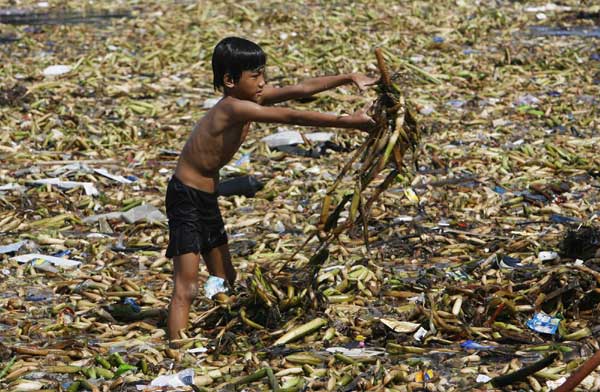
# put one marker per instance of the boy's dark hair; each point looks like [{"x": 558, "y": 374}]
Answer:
[{"x": 232, "y": 56}]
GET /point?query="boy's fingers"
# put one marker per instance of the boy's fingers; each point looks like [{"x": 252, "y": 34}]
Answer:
[
  {"x": 363, "y": 81},
  {"x": 368, "y": 82},
  {"x": 372, "y": 81}
]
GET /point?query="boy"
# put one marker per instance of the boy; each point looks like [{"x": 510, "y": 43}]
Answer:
[{"x": 195, "y": 223}]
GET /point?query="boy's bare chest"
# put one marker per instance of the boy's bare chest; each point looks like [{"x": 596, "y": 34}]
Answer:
[
  {"x": 233, "y": 139},
  {"x": 236, "y": 135}
]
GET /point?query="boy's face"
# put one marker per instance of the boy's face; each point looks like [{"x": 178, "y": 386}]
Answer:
[{"x": 250, "y": 85}]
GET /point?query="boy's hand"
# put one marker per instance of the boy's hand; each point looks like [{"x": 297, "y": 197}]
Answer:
[
  {"x": 361, "y": 120},
  {"x": 363, "y": 81}
]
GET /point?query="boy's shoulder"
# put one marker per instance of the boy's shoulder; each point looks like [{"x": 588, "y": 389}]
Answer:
[
  {"x": 229, "y": 111},
  {"x": 235, "y": 106}
]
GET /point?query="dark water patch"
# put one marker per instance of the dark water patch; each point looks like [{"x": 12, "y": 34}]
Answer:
[
  {"x": 27, "y": 17},
  {"x": 7, "y": 39},
  {"x": 575, "y": 31},
  {"x": 583, "y": 15}
]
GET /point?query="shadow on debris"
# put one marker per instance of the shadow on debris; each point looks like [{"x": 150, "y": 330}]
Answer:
[{"x": 15, "y": 16}]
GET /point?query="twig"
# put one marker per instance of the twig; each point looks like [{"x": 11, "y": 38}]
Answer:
[{"x": 511, "y": 378}]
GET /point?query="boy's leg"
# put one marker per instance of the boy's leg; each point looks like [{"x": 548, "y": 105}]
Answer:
[
  {"x": 185, "y": 280},
  {"x": 218, "y": 262}
]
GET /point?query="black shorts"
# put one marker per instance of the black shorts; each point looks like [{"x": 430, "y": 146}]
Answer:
[{"x": 195, "y": 222}]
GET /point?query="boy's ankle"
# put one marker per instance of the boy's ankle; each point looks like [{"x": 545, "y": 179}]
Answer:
[{"x": 174, "y": 344}]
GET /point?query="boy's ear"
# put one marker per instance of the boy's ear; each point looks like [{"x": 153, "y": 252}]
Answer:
[{"x": 228, "y": 81}]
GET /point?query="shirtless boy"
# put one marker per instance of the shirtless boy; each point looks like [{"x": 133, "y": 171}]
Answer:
[{"x": 195, "y": 223}]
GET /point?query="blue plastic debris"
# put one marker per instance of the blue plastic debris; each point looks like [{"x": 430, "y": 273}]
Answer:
[
  {"x": 472, "y": 345},
  {"x": 243, "y": 161},
  {"x": 499, "y": 190},
  {"x": 509, "y": 262},
  {"x": 428, "y": 375},
  {"x": 543, "y": 323},
  {"x": 438, "y": 40},
  {"x": 62, "y": 253},
  {"x": 131, "y": 302},
  {"x": 555, "y": 218}
]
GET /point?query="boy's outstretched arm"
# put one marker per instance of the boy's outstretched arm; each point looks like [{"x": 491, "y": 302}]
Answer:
[
  {"x": 248, "y": 111},
  {"x": 313, "y": 86}
]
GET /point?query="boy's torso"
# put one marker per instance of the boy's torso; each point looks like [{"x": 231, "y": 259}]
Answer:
[{"x": 213, "y": 142}]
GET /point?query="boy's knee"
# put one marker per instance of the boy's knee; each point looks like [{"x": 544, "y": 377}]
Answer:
[{"x": 186, "y": 291}]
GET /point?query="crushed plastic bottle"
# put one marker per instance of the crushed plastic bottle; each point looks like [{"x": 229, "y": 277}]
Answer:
[
  {"x": 181, "y": 379},
  {"x": 213, "y": 286}
]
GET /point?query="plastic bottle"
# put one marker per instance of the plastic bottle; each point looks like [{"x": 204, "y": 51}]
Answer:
[{"x": 213, "y": 286}]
